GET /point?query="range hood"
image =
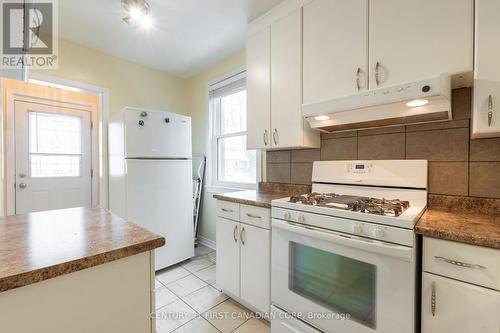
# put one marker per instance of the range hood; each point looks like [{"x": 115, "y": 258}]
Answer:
[{"x": 424, "y": 101}]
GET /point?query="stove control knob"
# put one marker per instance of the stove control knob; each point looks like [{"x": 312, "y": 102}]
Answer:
[
  {"x": 378, "y": 233},
  {"x": 357, "y": 229},
  {"x": 287, "y": 216},
  {"x": 301, "y": 218}
]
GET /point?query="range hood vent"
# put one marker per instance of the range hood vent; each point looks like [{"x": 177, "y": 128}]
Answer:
[{"x": 424, "y": 101}]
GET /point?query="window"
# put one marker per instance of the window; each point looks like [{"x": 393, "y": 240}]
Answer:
[
  {"x": 231, "y": 164},
  {"x": 55, "y": 145}
]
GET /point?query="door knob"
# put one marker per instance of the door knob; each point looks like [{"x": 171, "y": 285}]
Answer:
[{"x": 23, "y": 185}]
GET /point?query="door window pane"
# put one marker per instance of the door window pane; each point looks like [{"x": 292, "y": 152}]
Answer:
[
  {"x": 339, "y": 283},
  {"x": 43, "y": 166},
  {"x": 52, "y": 133},
  {"x": 55, "y": 145},
  {"x": 233, "y": 113},
  {"x": 236, "y": 164}
]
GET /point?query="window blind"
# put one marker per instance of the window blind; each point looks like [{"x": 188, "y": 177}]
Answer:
[{"x": 228, "y": 86}]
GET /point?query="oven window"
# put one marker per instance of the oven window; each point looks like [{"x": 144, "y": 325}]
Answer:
[{"x": 339, "y": 283}]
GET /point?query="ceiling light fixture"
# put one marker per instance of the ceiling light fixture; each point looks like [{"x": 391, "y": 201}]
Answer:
[
  {"x": 417, "y": 102},
  {"x": 321, "y": 118},
  {"x": 137, "y": 11}
]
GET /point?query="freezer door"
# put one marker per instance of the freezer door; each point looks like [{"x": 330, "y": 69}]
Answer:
[
  {"x": 160, "y": 199},
  {"x": 157, "y": 134}
]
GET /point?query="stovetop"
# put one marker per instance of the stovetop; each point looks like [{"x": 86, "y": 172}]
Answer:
[{"x": 377, "y": 206}]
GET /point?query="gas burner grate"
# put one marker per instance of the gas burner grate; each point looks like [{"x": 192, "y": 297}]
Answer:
[{"x": 385, "y": 207}]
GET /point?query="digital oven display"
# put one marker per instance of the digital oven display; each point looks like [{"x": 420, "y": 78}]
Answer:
[{"x": 360, "y": 167}]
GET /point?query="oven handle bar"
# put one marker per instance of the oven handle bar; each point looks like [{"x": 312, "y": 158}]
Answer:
[{"x": 386, "y": 249}]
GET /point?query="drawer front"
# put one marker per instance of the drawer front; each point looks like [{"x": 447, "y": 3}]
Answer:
[
  {"x": 228, "y": 210},
  {"x": 473, "y": 264},
  {"x": 257, "y": 216}
]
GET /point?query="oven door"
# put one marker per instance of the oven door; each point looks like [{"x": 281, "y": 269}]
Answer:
[{"x": 342, "y": 283}]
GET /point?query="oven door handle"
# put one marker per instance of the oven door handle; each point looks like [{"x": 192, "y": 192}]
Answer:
[{"x": 364, "y": 244}]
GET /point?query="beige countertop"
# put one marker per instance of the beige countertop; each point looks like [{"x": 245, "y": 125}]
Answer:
[
  {"x": 461, "y": 226},
  {"x": 44, "y": 245}
]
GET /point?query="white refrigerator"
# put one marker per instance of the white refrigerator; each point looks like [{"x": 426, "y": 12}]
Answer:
[{"x": 150, "y": 177}]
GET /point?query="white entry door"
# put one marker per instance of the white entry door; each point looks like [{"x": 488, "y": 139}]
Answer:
[{"x": 53, "y": 157}]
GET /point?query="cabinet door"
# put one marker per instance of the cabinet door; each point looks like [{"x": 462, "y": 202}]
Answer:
[
  {"x": 335, "y": 49},
  {"x": 459, "y": 307},
  {"x": 228, "y": 256},
  {"x": 487, "y": 65},
  {"x": 486, "y": 112},
  {"x": 286, "y": 81},
  {"x": 411, "y": 40},
  {"x": 255, "y": 266},
  {"x": 258, "y": 59}
]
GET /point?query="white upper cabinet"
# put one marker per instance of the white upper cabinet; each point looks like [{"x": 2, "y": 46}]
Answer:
[
  {"x": 335, "y": 49},
  {"x": 411, "y": 39},
  {"x": 274, "y": 86},
  {"x": 287, "y": 124},
  {"x": 258, "y": 59},
  {"x": 486, "y": 111}
]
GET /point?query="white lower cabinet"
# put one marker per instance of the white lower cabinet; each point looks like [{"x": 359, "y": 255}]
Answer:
[
  {"x": 228, "y": 255},
  {"x": 460, "y": 288},
  {"x": 255, "y": 266},
  {"x": 454, "y": 306},
  {"x": 244, "y": 257}
]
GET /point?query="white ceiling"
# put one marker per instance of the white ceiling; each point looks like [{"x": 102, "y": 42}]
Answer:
[{"x": 187, "y": 36}]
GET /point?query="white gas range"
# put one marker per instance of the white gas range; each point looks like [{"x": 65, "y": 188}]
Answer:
[{"x": 344, "y": 257}]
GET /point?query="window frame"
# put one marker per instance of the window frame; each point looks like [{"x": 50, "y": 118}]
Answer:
[{"x": 214, "y": 135}]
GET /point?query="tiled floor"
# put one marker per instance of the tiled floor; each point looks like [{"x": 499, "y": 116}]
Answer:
[{"x": 188, "y": 300}]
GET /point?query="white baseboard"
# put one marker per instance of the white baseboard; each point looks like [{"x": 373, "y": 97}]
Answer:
[{"x": 207, "y": 242}]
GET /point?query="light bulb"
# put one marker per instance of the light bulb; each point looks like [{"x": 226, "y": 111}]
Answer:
[
  {"x": 417, "y": 102},
  {"x": 321, "y": 118},
  {"x": 135, "y": 12}
]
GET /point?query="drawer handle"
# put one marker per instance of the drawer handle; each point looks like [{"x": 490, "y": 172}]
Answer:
[
  {"x": 254, "y": 216},
  {"x": 459, "y": 263},
  {"x": 235, "y": 231},
  {"x": 433, "y": 300},
  {"x": 227, "y": 210}
]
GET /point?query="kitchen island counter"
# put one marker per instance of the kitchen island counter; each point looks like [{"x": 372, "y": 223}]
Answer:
[{"x": 41, "y": 246}]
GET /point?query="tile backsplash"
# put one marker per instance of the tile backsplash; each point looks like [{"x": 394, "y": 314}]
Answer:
[{"x": 457, "y": 165}]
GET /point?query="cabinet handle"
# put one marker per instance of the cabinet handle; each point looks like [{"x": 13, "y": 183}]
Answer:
[
  {"x": 433, "y": 300},
  {"x": 254, "y": 216},
  {"x": 490, "y": 110},
  {"x": 265, "y": 138},
  {"x": 235, "y": 231},
  {"x": 459, "y": 263},
  {"x": 275, "y": 136},
  {"x": 358, "y": 73},
  {"x": 241, "y": 235},
  {"x": 227, "y": 210},
  {"x": 377, "y": 73}
]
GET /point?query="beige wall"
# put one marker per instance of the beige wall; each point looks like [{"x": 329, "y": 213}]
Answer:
[
  {"x": 197, "y": 108},
  {"x": 129, "y": 84}
]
